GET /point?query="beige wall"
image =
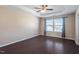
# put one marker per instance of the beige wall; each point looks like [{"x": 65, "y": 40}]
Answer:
[
  {"x": 69, "y": 24},
  {"x": 16, "y": 25},
  {"x": 41, "y": 23}
]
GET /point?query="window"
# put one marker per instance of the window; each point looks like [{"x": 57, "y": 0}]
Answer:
[
  {"x": 49, "y": 25},
  {"x": 54, "y": 25}
]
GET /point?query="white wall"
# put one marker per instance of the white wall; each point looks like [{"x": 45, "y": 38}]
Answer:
[
  {"x": 77, "y": 27},
  {"x": 16, "y": 25}
]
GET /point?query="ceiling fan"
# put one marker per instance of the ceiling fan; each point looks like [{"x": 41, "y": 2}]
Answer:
[{"x": 43, "y": 8}]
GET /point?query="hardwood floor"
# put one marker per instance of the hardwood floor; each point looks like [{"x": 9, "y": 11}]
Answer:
[{"x": 42, "y": 45}]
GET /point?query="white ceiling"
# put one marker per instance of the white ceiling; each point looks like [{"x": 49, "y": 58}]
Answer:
[{"x": 58, "y": 9}]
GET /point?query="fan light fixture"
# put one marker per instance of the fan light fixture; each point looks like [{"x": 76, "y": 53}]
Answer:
[
  {"x": 43, "y": 11},
  {"x": 43, "y": 8}
]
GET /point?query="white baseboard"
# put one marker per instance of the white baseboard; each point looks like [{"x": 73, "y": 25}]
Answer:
[
  {"x": 18, "y": 41},
  {"x": 64, "y": 38},
  {"x": 69, "y": 38}
]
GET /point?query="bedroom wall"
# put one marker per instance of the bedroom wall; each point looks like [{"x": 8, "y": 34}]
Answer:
[{"x": 16, "y": 25}]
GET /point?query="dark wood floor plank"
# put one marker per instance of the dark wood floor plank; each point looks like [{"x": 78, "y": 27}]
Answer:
[{"x": 42, "y": 45}]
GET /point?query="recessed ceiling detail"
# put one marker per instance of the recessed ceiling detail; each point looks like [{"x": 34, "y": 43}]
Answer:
[{"x": 53, "y": 9}]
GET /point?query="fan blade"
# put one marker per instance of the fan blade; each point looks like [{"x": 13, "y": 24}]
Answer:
[
  {"x": 37, "y": 8},
  {"x": 49, "y": 9},
  {"x": 38, "y": 11}
]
